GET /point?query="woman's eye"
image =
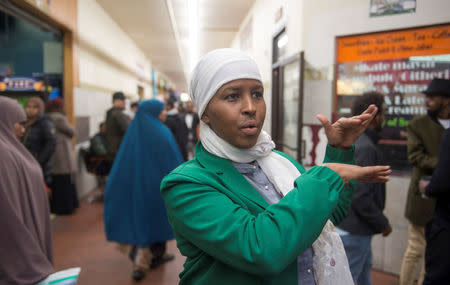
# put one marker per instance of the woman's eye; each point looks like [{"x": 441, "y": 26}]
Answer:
[
  {"x": 257, "y": 94},
  {"x": 232, "y": 97}
]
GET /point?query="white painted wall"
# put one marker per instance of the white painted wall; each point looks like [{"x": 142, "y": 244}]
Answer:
[
  {"x": 100, "y": 39},
  {"x": 97, "y": 29},
  {"x": 263, "y": 20},
  {"x": 312, "y": 27}
]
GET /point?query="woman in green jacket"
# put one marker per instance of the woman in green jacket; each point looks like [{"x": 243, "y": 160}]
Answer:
[{"x": 243, "y": 213}]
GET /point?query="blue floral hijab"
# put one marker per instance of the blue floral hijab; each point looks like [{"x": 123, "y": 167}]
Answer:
[{"x": 134, "y": 209}]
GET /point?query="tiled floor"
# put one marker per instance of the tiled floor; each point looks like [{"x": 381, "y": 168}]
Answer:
[{"x": 79, "y": 240}]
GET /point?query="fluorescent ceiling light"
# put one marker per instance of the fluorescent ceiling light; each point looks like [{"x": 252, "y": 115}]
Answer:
[
  {"x": 193, "y": 32},
  {"x": 184, "y": 97}
]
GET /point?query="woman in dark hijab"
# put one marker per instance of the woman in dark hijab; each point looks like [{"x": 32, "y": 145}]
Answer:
[
  {"x": 25, "y": 241},
  {"x": 39, "y": 137},
  {"x": 135, "y": 215},
  {"x": 64, "y": 198}
]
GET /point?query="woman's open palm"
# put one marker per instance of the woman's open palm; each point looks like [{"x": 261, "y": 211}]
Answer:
[{"x": 345, "y": 131}]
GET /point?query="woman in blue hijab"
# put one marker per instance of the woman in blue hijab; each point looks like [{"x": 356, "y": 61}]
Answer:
[{"x": 135, "y": 215}]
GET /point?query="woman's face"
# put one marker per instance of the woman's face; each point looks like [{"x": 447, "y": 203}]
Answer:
[
  {"x": 19, "y": 130},
  {"x": 32, "y": 110},
  {"x": 237, "y": 111}
]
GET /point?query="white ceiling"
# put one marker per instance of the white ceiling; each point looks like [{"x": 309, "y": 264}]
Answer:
[{"x": 149, "y": 24}]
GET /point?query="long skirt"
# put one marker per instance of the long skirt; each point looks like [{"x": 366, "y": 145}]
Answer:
[{"x": 64, "y": 198}]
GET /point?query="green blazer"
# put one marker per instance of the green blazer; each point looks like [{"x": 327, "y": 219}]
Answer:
[{"x": 231, "y": 235}]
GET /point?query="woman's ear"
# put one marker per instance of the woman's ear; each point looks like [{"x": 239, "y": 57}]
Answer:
[{"x": 205, "y": 118}]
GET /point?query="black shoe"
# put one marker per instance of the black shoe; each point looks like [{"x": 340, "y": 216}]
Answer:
[
  {"x": 138, "y": 275},
  {"x": 163, "y": 259},
  {"x": 132, "y": 253}
]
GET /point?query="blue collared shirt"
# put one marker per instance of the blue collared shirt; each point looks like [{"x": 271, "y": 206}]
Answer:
[{"x": 258, "y": 179}]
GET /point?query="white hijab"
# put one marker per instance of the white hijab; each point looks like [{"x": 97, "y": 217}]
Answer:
[{"x": 218, "y": 68}]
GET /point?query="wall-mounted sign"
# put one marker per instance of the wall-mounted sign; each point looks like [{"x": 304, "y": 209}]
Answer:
[
  {"x": 399, "y": 64},
  {"x": 21, "y": 84},
  {"x": 391, "y": 7}
]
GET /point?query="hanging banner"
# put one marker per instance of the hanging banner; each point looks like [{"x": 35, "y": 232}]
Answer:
[{"x": 400, "y": 64}]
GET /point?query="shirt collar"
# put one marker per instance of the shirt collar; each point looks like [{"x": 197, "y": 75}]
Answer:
[
  {"x": 172, "y": 112},
  {"x": 246, "y": 168}
]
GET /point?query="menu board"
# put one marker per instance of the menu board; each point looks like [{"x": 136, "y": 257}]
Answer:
[{"x": 400, "y": 64}]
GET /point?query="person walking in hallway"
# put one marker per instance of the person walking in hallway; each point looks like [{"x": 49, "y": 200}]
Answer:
[
  {"x": 25, "y": 241},
  {"x": 177, "y": 126},
  {"x": 39, "y": 137},
  {"x": 424, "y": 136},
  {"x": 64, "y": 198},
  {"x": 135, "y": 216},
  {"x": 116, "y": 125},
  {"x": 365, "y": 217}
]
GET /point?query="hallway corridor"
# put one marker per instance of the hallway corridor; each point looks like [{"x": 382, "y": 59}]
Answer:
[{"x": 79, "y": 240}]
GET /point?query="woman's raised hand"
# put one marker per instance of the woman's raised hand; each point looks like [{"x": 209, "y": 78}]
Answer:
[
  {"x": 345, "y": 131},
  {"x": 372, "y": 174}
]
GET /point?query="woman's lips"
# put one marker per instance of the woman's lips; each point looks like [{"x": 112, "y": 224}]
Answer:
[{"x": 250, "y": 130}]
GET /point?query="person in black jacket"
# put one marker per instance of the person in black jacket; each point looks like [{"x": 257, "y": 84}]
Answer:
[
  {"x": 365, "y": 216},
  {"x": 39, "y": 137},
  {"x": 178, "y": 127},
  {"x": 116, "y": 125},
  {"x": 437, "y": 231}
]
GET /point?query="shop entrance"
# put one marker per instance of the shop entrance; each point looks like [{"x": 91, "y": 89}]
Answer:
[{"x": 31, "y": 56}]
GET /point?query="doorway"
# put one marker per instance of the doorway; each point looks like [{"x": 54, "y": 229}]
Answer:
[{"x": 287, "y": 98}]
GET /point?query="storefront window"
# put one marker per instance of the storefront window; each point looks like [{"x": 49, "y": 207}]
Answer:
[{"x": 31, "y": 59}]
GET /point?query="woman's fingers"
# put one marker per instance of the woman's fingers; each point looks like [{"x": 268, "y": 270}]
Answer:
[
  {"x": 350, "y": 122},
  {"x": 379, "y": 173},
  {"x": 371, "y": 110},
  {"x": 324, "y": 121},
  {"x": 367, "y": 116}
]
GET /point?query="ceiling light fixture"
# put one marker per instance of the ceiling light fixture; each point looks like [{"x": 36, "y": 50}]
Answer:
[{"x": 184, "y": 97}]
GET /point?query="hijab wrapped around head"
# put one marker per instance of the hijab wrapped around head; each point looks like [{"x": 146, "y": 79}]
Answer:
[
  {"x": 26, "y": 246},
  {"x": 213, "y": 71},
  {"x": 134, "y": 209},
  {"x": 36, "y": 100},
  {"x": 217, "y": 68}
]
